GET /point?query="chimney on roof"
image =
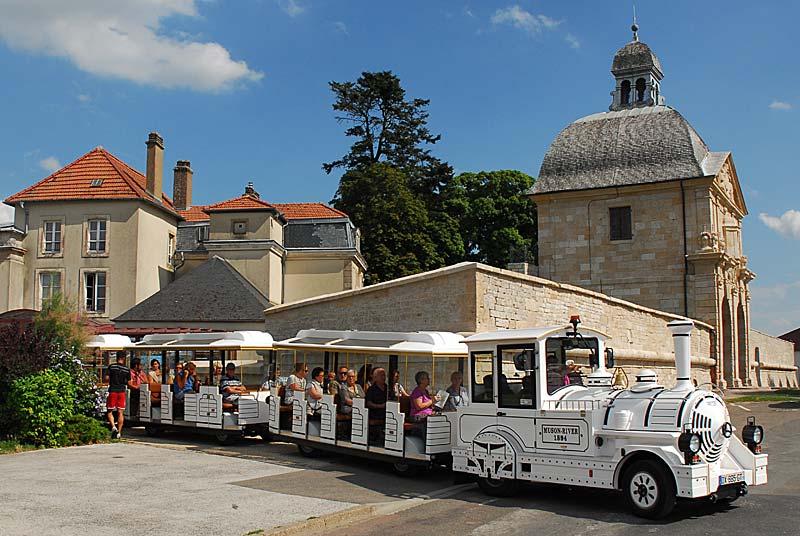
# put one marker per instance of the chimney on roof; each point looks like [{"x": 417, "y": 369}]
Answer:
[
  {"x": 251, "y": 191},
  {"x": 155, "y": 165},
  {"x": 182, "y": 185}
]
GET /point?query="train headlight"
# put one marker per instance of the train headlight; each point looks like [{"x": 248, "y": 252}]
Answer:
[
  {"x": 753, "y": 435},
  {"x": 689, "y": 443}
]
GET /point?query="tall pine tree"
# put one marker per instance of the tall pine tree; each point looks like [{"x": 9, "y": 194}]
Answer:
[{"x": 390, "y": 130}]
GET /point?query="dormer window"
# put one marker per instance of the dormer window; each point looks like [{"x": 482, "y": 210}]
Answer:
[
  {"x": 640, "y": 87},
  {"x": 96, "y": 183},
  {"x": 625, "y": 92}
]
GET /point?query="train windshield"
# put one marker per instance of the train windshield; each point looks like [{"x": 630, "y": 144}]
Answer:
[{"x": 566, "y": 357}]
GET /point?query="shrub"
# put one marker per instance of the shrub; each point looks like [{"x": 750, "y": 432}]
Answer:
[
  {"x": 83, "y": 430},
  {"x": 41, "y": 404}
]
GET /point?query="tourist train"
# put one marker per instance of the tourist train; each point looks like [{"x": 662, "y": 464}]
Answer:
[{"x": 524, "y": 415}]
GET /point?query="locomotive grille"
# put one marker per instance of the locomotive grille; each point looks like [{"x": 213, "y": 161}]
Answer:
[{"x": 712, "y": 441}]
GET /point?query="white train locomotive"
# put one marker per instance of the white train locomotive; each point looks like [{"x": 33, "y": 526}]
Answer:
[{"x": 529, "y": 421}]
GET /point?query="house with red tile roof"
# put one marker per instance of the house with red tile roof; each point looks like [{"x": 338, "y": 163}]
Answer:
[
  {"x": 106, "y": 234},
  {"x": 97, "y": 230}
]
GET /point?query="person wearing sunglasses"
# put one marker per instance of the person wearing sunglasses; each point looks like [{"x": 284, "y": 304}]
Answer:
[{"x": 337, "y": 383}]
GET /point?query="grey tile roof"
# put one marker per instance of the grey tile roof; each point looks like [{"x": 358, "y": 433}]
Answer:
[
  {"x": 632, "y": 146},
  {"x": 212, "y": 292},
  {"x": 317, "y": 234},
  {"x": 635, "y": 56},
  {"x": 187, "y": 237}
]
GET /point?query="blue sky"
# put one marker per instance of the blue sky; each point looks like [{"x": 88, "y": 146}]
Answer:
[{"x": 240, "y": 89}]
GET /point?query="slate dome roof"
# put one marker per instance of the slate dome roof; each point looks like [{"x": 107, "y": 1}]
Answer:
[
  {"x": 631, "y": 146},
  {"x": 635, "y": 56}
]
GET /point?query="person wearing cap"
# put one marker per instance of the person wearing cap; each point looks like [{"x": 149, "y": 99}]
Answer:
[{"x": 231, "y": 387}]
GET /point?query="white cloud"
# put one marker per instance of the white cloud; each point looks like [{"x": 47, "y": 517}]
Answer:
[
  {"x": 523, "y": 20},
  {"x": 341, "y": 27},
  {"x": 292, "y": 7},
  {"x": 468, "y": 12},
  {"x": 6, "y": 213},
  {"x": 122, "y": 40},
  {"x": 788, "y": 224},
  {"x": 775, "y": 309},
  {"x": 780, "y": 105},
  {"x": 50, "y": 164},
  {"x": 572, "y": 40},
  {"x": 84, "y": 98}
]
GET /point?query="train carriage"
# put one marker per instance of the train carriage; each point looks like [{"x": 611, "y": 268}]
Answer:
[
  {"x": 156, "y": 407},
  {"x": 393, "y": 437}
]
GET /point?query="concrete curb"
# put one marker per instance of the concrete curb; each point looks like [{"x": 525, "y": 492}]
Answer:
[{"x": 327, "y": 521}]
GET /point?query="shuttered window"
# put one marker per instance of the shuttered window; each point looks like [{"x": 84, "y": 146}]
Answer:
[{"x": 620, "y": 218}]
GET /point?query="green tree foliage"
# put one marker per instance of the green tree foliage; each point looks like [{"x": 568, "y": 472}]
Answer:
[
  {"x": 41, "y": 404},
  {"x": 395, "y": 226},
  {"x": 497, "y": 221},
  {"x": 61, "y": 323},
  {"x": 386, "y": 127},
  {"x": 390, "y": 130}
]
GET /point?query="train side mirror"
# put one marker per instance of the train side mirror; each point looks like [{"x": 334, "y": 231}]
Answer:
[{"x": 609, "y": 358}]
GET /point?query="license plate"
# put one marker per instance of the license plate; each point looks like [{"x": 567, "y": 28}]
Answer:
[{"x": 732, "y": 478}]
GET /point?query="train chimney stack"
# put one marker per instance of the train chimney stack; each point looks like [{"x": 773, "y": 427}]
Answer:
[{"x": 681, "y": 337}]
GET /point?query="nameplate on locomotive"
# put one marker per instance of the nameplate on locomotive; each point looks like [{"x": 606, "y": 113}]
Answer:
[{"x": 561, "y": 434}]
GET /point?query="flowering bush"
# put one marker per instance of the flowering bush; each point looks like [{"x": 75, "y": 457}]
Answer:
[{"x": 41, "y": 404}]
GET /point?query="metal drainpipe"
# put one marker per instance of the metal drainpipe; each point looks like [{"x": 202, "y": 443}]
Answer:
[{"x": 685, "y": 257}]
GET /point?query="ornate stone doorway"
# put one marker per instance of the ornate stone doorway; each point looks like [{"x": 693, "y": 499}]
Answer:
[
  {"x": 741, "y": 331},
  {"x": 727, "y": 362}
]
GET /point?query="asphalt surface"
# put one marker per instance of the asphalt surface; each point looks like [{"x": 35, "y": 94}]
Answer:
[{"x": 183, "y": 482}]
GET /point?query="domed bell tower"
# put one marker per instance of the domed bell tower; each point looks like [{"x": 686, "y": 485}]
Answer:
[{"x": 638, "y": 74}]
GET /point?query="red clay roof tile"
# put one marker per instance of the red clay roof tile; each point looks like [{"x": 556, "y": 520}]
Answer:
[
  {"x": 195, "y": 214},
  {"x": 244, "y": 202},
  {"x": 74, "y": 182},
  {"x": 299, "y": 211}
]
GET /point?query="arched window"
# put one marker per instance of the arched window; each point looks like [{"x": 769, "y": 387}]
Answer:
[
  {"x": 640, "y": 85},
  {"x": 758, "y": 355},
  {"x": 625, "y": 92}
]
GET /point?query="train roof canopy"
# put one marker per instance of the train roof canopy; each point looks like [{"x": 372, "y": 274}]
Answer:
[
  {"x": 222, "y": 340},
  {"x": 531, "y": 334},
  {"x": 440, "y": 343},
  {"x": 110, "y": 342}
]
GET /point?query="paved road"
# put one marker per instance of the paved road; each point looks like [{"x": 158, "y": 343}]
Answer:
[
  {"x": 156, "y": 491},
  {"x": 273, "y": 485}
]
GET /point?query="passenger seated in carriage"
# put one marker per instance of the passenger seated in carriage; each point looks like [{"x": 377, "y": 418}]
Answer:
[
  {"x": 377, "y": 395},
  {"x": 338, "y": 383},
  {"x": 314, "y": 393},
  {"x": 398, "y": 391},
  {"x": 348, "y": 392},
  {"x": 296, "y": 382},
  {"x": 422, "y": 403},
  {"x": 459, "y": 396},
  {"x": 231, "y": 388}
]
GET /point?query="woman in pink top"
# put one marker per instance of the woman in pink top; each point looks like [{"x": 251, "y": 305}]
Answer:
[{"x": 422, "y": 402}]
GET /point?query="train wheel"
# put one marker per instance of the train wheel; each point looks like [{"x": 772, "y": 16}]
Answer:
[
  {"x": 226, "y": 438},
  {"x": 152, "y": 431},
  {"x": 308, "y": 452},
  {"x": 649, "y": 490},
  {"x": 498, "y": 487},
  {"x": 405, "y": 469}
]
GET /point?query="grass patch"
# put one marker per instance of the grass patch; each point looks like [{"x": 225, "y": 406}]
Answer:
[
  {"x": 781, "y": 395},
  {"x": 12, "y": 446}
]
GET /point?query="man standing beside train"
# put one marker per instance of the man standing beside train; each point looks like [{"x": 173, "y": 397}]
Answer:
[{"x": 119, "y": 377}]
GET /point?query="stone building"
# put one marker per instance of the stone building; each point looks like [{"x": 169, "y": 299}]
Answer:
[
  {"x": 106, "y": 235},
  {"x": 633, "y": 203}
]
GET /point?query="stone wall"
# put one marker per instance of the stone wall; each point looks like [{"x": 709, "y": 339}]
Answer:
[
  {"x": 470, "y": 297},
  {"x": 772, "y": 361},
  {"x": 639, "y": 335}
]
